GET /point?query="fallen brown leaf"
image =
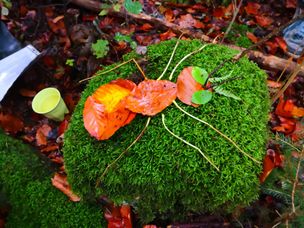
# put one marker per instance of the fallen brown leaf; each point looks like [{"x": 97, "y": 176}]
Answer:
[
  {"x": 10, "y": 123},
  {"x": 41, "y": 135}
]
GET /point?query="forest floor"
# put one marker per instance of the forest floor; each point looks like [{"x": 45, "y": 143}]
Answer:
[{"x": 65, "y": 33}]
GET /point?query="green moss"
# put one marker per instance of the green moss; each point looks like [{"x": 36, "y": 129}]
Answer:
[
  {"x": 162, "y": 175},
  {"x": 238, "y": 36},
  {"x": 26, "y": 183}
]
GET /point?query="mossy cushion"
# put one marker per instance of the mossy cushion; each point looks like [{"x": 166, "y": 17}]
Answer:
[
  {"x": 25, "y": 183},
  {"x": 160, "y": 174}
]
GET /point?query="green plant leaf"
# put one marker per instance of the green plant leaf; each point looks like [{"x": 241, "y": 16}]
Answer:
[
  {"x": 119, "y": 37},
  {"x": 220, "y": 90},
  {"x": 100, "y": 48},
  {"x": 201, "y": 97},
  {"x": 133, "y": 7},
  {"x": 70, "y": 62},
  {"x": 221, "y": 79},
  {"x": 200, "y": 75},
  {"x": 117, "y": 7}
]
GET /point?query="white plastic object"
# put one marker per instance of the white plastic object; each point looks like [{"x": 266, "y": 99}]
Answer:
[{"x": 12, "y": 66}]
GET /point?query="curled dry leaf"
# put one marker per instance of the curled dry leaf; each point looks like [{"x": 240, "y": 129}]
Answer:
[
  {"x": 187, "y": 86},
  {"x": 151, "y": 97},
  {"x": 287, "y": 108},
  {"x": 103, "y": 113},
  {"x": 60, "y": 182}
]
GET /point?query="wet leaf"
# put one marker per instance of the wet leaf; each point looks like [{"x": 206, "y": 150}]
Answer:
[
  {"x": 151, "y": 97},
  {"x": 202, "y": 97},
  {"x": 60, "y": 182},
  {"x": 10, "y": 123},
  {"x": 187, "y": 21},
  {"x": 281, "y": 42},
  {"x": 134, "y": 7},
  {"x": 287, "y": 108},
  {"x": 186, "y": 86},
  {"x": 252, "y": 8},
  {"x": 103, "y": 113},
  {"x": 167, "y": 35},
  {"x": 252, "y": 37},
  {"x": 272, "y": 160},
  {"x": 263, "y": 21},
  {"x": 42, "y": 135}
]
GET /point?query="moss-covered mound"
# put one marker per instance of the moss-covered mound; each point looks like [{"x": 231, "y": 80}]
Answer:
[
  {"x": 160, "y": 174},
  {"x": 26, "y": 184}
]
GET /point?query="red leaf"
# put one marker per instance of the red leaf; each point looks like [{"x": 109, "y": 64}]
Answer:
[
  {"x": 27, "y": 93},
  {"x": 291, "y": 4},
  {"x": 281, "y": 42},
  {"x": 252, "y": 8},
  {"x": 167, "y": 35},
  {"x": 263, "y": 21},
  {"x": 252, "y": 37},
  {"x": 287, "y": 126},
  {"x": 60, "y": 182},
  {"x": 186, "y": 86},
  {"x": 151, "y": 97},
  {"x": 298, "y": 133},
  {"x": 219, "y": 12},
  {"x": 288, "y": 109},
  {"x": 187, "y": 21},
  {"x": 271, "y": 47},
  {"x": 274, "y": 84},
  {"x": 169, "y": 15},
  {"x": 10, "y": 123},
  {"x": 145, "y": 27},
  {"x": 42, "y": 134}
]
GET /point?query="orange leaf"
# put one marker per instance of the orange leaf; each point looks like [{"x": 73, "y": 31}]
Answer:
[
  {"x": 263, "y": 21},
  {"x": 42, "y": 133},
  {"x": 145, "y": 27},
  {"x": 103, "y": 113},
  {"x": 252, "y": 37},
  {"x": 151, "y": 97},
  {"x": 288, "y": 109},
  {"x": 167, "y": 35},
  {"x": 291, "y": 4},
  {"x": 93, "y": 115},
  {"x": 274, "y": 84},
  {"x": 60, "y": 182},
  {"x": 281, "y": 42},
  {"x": 252, "y": 8},
  {"x": 186, "y": 86},
  {"x": 272, "y": 160},
  {"x": 10, "y": 123}
]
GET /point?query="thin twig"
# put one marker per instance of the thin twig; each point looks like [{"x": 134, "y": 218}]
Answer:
[
  {"x": 287, "y": 143},
  {"x": 183, "y": 59},
  {"x": 170, "y": 60},
  {"x": 295, "y": 183},
  {"x": 125, "y": 151},
  {"x": 235, "y": 13},
  {"x": 189, "y": 144},
  {"x": 216, "y": 130}
]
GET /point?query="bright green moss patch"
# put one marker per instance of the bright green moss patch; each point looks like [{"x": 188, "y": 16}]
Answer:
[
  {"x": 25, "y": 183},
  {"x": 160, "y": 174}
]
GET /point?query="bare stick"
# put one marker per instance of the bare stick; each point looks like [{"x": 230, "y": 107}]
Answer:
[
  {"x": 125, "y": 151},
  {"x": 140, "y": 69},
  {"x": 183, "y": 59},
  {"x": 235, "y": 13},
  {"x": 170, "y": 60},
  {"x": 216, "y": 130},
  {"x": 189, "y": 144},
  {"x": 295, "y": 183}
]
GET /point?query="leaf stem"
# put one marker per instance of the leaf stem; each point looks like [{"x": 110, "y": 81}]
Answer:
[
  {"x": 184, "y": 58},
  {"x": 219, "y": 132},
  {"x": 189, "y": 144},
  {"x": 125, "y": 151}
]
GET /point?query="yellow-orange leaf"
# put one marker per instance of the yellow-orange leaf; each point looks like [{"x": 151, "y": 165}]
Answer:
[
  {"x": 151, "y": 97},
  {"x": 186, "y": 86}
]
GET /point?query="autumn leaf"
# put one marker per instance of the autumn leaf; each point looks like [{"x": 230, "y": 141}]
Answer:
[
  {"x": 187, "y": 86},
  {"x": 287, "y": 108},
  {"x": 252, "y": 8},
  {"x": 60, "y": 182},
  {"x": 42, "y": 134},
  {"x": 282, "y": 43},
  {"x": 263, "y": 21},
  {"x": 286, "y": 126},
  {"x": 252, "y": 37},
  {"x": 167, "y": 35},
  {"x": 10, "y": 123},
  {"x": 272, "y": 160},
  {"x": 151, "y": 97},
  {"x": 187, "y": 21},
  {"x": 103, "y": 113}
]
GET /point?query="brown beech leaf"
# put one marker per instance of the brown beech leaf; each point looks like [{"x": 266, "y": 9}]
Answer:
[
  {"x": 187, "y": 21},
  {"x": 167, "y": 35},
  {"x": 252, "y": 8},
  {"x": 60, "y": 182},
  {"x": 287, "y": 108},
  {"x": 151, "y": 97},
  {"x": 281, "y": 42},
  {"x": 186, "y": 86},
  {"x": 252, "y": 37},
  {"x": 272, "y": 160},
  {"x": 103, "y": 113},
  {"x": 42, "y": 134},
  {"x": 263, "y": 21},
  {"x": 10, "y": 123}
]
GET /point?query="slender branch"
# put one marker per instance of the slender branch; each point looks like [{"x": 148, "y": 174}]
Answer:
[
  {"x": 125, "y": 151},
  {"x": 295, "y": 183},
  {"x": 183, "y": 59},
  {"x": 287, "y": 143},
  {"x": 140, "y": 69},
  {"x": 189, "y": 144},
  {"x": 170, "y": 60},
  {"x": 219, "y": 132}
]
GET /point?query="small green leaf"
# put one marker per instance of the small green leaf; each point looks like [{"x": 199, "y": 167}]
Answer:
[
  {"x": 201, "y": 97},
  {"x": 70, "y": 62},
  {"x": 103, "y": 12},
  {"x": 116, "y": 7},
  {"x": 133, "y": 7},
  {"x": 100, "y": 48},
  {"x": 200, "y": 75},
  {"x": 119, "y": 37},
  {"x": 220, "y": 90}
]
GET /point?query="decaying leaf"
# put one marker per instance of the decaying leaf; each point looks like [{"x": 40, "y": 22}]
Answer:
[
  {"x": 103, "y": 113},
  {"x": 60, "y": 181},
  {"x": 287, "y": 108},
  {"x": 42, "y": 134},
  {"x": 10, "y": 123},
  {"x": 151, "y": 97},
  {"x": 187, "y": 86}
]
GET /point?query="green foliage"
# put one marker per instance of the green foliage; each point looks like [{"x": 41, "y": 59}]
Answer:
[
  {"x": 200, "y": 75},
  {"x": 134, "y": 7},
  {"x": 25, "y": 181},
  {"x": 100, "y": 48},
  {"x": 160, "y": 175},
  {"x": 201, "y": 97},
  {"x": 220, "y": 90},
  {"x": 70, "y": 62},
  {"x": 119, "y": 37},
  {"x": 238, "y": 36}
]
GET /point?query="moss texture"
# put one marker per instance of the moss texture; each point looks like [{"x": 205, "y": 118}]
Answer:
[
  {"x": 160, "y": 175},
  {"x": 26, "y": 184}
]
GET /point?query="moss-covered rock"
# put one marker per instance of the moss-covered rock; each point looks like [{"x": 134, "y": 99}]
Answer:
[
  {"x": 25, "y": 181},
  {"x": 160, "y": 174}
]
